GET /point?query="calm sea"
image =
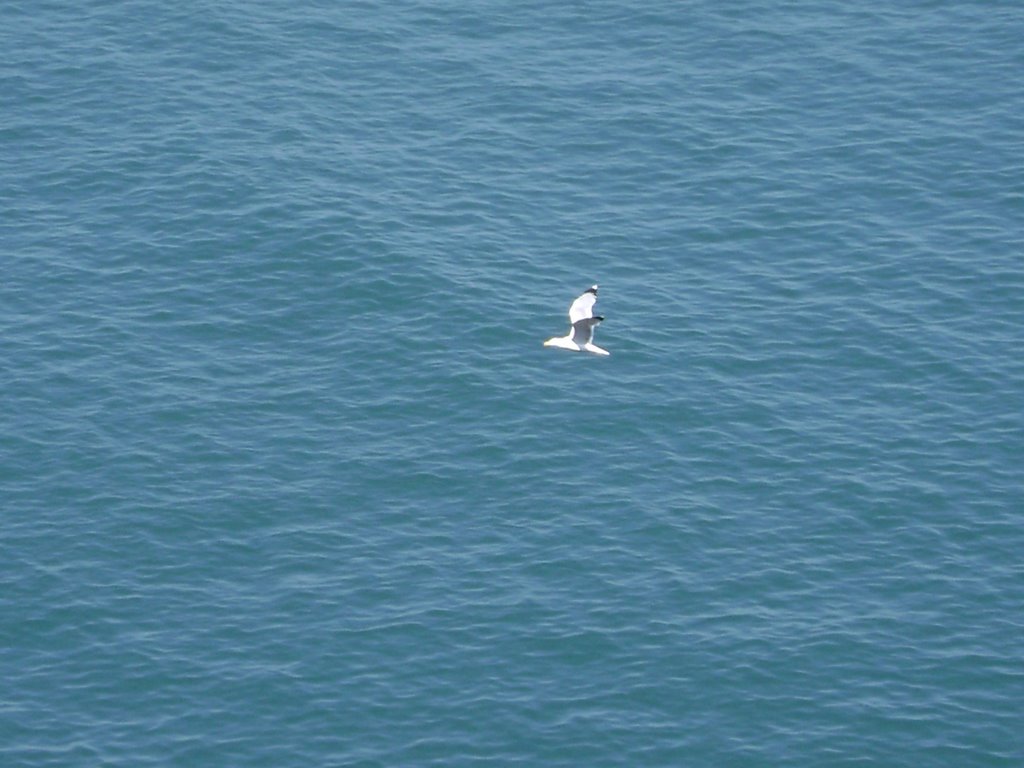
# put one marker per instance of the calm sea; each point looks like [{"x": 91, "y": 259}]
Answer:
[{"x": 287, "y": 477}]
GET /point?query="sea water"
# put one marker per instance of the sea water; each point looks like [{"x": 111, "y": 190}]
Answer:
[{"x": 287, "y": 477}]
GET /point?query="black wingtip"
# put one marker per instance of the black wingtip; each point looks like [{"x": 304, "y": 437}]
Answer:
[
  {"x": 599, "y": 317},
  {"x": 592, "y": 289}
]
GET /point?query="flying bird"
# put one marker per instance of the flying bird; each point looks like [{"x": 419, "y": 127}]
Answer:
[{"x": 583, "y": 321}]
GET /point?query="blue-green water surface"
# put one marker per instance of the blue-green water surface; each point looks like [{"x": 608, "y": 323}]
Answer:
[{"x": 288, "y": 479}]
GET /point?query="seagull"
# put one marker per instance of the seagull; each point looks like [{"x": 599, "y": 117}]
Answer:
[{"x": 583, "y": 320}]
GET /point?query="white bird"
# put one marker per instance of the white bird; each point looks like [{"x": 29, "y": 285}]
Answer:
[{"x": 583, "y": 321}]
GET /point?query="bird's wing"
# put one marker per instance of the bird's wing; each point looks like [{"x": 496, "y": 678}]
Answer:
[
  {"x": 583, "y": 330},
  {"x": 583, "y": 307}
]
